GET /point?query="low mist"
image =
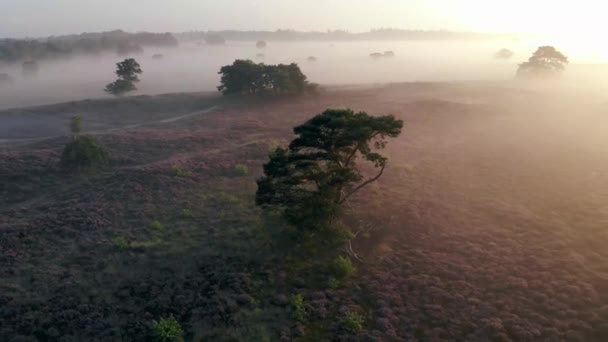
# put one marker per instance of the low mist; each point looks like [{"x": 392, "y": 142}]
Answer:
[{"x": 194, "y": 66}]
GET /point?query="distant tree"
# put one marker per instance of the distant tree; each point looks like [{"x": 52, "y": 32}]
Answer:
[
  {"x": 6, "y": 79},
  {"x": 376, "y": 55},
  {"x": 127, "y": 72},
  {"x": 29, "y": 68},
  {"x": 246, "y": 77},
  {"x": 215, "y": 39},
  {"x": 129, "y": 48},
  {"x": 311, "y": 179},
  {"x": 311, "y": 59},
  {"x": 388, "y": 54},
  {"x": 158, "y": 56},
  {"x": 546, "y": 61},
  {"x": 260, "y": 55},
  {"x": 75, "y": 125},
  {"x": 504, "y": 54},
  {"x": 83, "y": 151},
  {"x": 260, "y": 44}
]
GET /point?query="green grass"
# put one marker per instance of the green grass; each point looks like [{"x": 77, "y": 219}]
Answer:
[
  {"x": 341, "y": 267},
  {"x": 156, "y": 226},
  {"x": 187, "y": 213},
  {"x": 167, "y": 330},
  {"x": 298, "y": 310},
  {"x": 352, "y": 322},
  {"x": 181, "y": 172},
  {"x": 241, "y": 170},
  {"x": 120, "y": 243}
]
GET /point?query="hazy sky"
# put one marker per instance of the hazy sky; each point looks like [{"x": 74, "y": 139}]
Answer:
[{"x": 20, "y": 18}]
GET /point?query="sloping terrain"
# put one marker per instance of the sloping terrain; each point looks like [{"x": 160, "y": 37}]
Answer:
[{"x": 489, "y": 224}]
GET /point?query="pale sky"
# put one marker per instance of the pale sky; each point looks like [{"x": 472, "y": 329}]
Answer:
[{"x": 19, "y": 18}]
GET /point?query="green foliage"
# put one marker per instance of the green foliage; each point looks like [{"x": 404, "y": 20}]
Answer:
[
  {"x": 127, "y": 72},
  {"x": 187, "y": 213},
  {"x": 156, "y": 225},
  {"x": 341, "y": 267},
  {"x": 246, "y": 77},
  {"x": 333, "y": 283},
  {"x": 311, "y": 179},
  {"x": 167, "y": 329},
  {"x": 120, "y": 87},
  {"x": 298, "y": 310},
  {"x": 545, "y": 62},
  {"x": 84, "y": 152},
  {"x": 120, "y": 242},
  {"x": 75, "y": 124},
  {"x": 241, "y": 170},
  {"x": 181, "y": 172},
  {"x": 352, "y": 322}
]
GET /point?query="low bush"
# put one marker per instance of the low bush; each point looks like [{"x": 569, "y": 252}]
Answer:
[
  {"x": 352, "y": 322},
  {"x": 333, "y": 283},
  {"x": 241, "y": 170},
  {"x": 181, "y": 172},
  {"x": 84, "y": 152},
  {"x": 298, "y": 311},
  {"x": 167, "y": 329},
  {"x": 341, "y": 267},
  {"x": 156, "y": 225},
  {"x": 187, "y": 213},
  {"x": 120, "y": 242}
]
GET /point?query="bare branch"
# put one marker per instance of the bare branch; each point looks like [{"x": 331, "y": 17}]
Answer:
[{"x": 367, "y": 182}]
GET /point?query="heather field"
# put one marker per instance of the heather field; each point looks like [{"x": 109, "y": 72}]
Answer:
[{"x": 489, "y": 224}]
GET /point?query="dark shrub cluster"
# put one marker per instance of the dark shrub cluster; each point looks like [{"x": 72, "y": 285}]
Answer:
[
  {"x": 247, "y": 77},
  {"x": 127, "y": 72},
  {"x": 84, "y": 152},
  {"x": 14, "y": 50}
]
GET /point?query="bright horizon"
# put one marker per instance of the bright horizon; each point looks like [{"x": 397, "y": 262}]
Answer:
[{"x": 575, "y": 27}]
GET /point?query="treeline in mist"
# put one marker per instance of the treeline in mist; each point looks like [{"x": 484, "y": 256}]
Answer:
[
  {"x": 339, "y": 35},
  {"x": 15, "y": 50}
]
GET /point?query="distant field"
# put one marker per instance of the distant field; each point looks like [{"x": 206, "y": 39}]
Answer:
[{"x": 490, "y": 223}]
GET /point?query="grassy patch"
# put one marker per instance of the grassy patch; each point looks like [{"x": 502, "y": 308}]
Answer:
[
  {"x": 120, "y": 243},
  {"x": 167, "y": 330},
  {"x": 341, "y": 267},
  {"x": 156, "y": 226},
  {"x": 352, "y": 322},
  {"x": 298, "y": 310},
  {"x": 241, "y": 170}
]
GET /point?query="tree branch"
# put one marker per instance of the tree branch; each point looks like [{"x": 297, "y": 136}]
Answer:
[{"x": 367, "y": 182}]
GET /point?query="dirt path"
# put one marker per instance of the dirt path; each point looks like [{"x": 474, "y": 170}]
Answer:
[{"x": 14, "y": 142}]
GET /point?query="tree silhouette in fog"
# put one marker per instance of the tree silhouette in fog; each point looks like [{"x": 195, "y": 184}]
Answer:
[
  {"x": 127, "y": 72},
  {"x": 247, "y": 78},
  {"x": 546, "y": 61},
  {"x": 504, "y": 54},
  {"x": 310, "y": 180}
]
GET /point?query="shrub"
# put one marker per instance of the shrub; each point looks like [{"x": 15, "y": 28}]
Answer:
[
  {"x": 241, "y": 170},
  {"x": 187, "y": 213},
  {"x": 333, "y": 283},
  {"x": 167, "y": 329},
  {"x": 352, "y": 322},
  {"x": 120, "y": 243},
  {"x": 181, "y": 172},
  {"x": 341, "y": 267},
  {"x": 120, "y": 87},
  {"x": 245, "y": 77},
  {"x": 84, "y": 152},
  {"x": 298, "y": 311},
  {"x": 156, "y": 225}
]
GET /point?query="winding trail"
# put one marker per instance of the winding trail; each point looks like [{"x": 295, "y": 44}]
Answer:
[{"x": 14, "y": 142}]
